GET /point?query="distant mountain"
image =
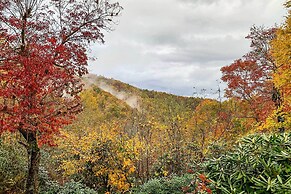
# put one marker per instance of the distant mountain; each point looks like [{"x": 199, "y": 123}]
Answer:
[{"x": 158, "y": 104}]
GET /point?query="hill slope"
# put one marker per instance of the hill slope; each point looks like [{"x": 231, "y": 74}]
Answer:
[{"x": 159, "y": 104}]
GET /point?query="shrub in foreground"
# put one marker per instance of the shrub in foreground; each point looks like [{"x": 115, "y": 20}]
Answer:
[
  {"x": 71, "y": 187},
  {"x": 257, "y": 164},
  {"x": 169, "y": 185}
]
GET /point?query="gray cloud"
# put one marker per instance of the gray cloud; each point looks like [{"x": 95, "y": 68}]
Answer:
[{"x": 174, "y": 45}]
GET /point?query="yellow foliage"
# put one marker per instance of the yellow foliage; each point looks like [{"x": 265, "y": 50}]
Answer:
[
  {"x": 272, "y": 125},
  {"x": 165, "y": 173},
  {"x": 281, "y": 51},
  {"x": 105, "y": 146},
  {"x": 118, "y": 180},
  {"x": 69, "y": 167}
]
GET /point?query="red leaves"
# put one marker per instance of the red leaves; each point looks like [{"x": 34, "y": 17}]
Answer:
[
  {"x": 243, "y": 78},
  {"x": 41, "y": 58},
  {"x": 38, "y": 86},
  {"x": 190, "y": 171},
  {"x": 248, "y": 78},
  {"x": 202, "y": 184},
  {"x": 248, "y": 81}
]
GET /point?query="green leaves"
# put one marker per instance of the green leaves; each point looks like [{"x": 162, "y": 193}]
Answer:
[
  {"x": 258, "y": 164},
  {"x": 68, "y": 188},
  {"x": 12, "y": 164},
  {"x": 172, "y": 185}
]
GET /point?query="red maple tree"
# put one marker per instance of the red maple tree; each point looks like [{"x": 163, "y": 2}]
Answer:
[
  {"x": 249, "y": 78},
  {"x": 43, "y": 47}
]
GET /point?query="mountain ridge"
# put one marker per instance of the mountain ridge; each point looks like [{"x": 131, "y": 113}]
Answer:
[{"x": 131, "y": 95}]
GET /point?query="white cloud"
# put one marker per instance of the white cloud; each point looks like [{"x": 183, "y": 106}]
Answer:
[{"x": 174, "y": 45}]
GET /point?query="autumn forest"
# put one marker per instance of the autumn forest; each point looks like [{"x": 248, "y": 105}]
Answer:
[{"x": 64, "y": 130}]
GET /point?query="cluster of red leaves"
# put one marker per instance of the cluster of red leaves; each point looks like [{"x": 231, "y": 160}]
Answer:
[
  {"x": 246, "y": 81},
  {"x": 249, "y": 78},
  {"x": 200, "y": 185}
]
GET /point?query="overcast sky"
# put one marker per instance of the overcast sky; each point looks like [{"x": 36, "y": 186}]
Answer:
[{"x": 175, "y": 45}]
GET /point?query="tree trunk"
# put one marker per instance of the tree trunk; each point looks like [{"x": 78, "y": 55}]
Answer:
[
  {"x": 33, "y": 151},
  {"x": 277, "y": 99},
  {"x": 32, "y": 182}
]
